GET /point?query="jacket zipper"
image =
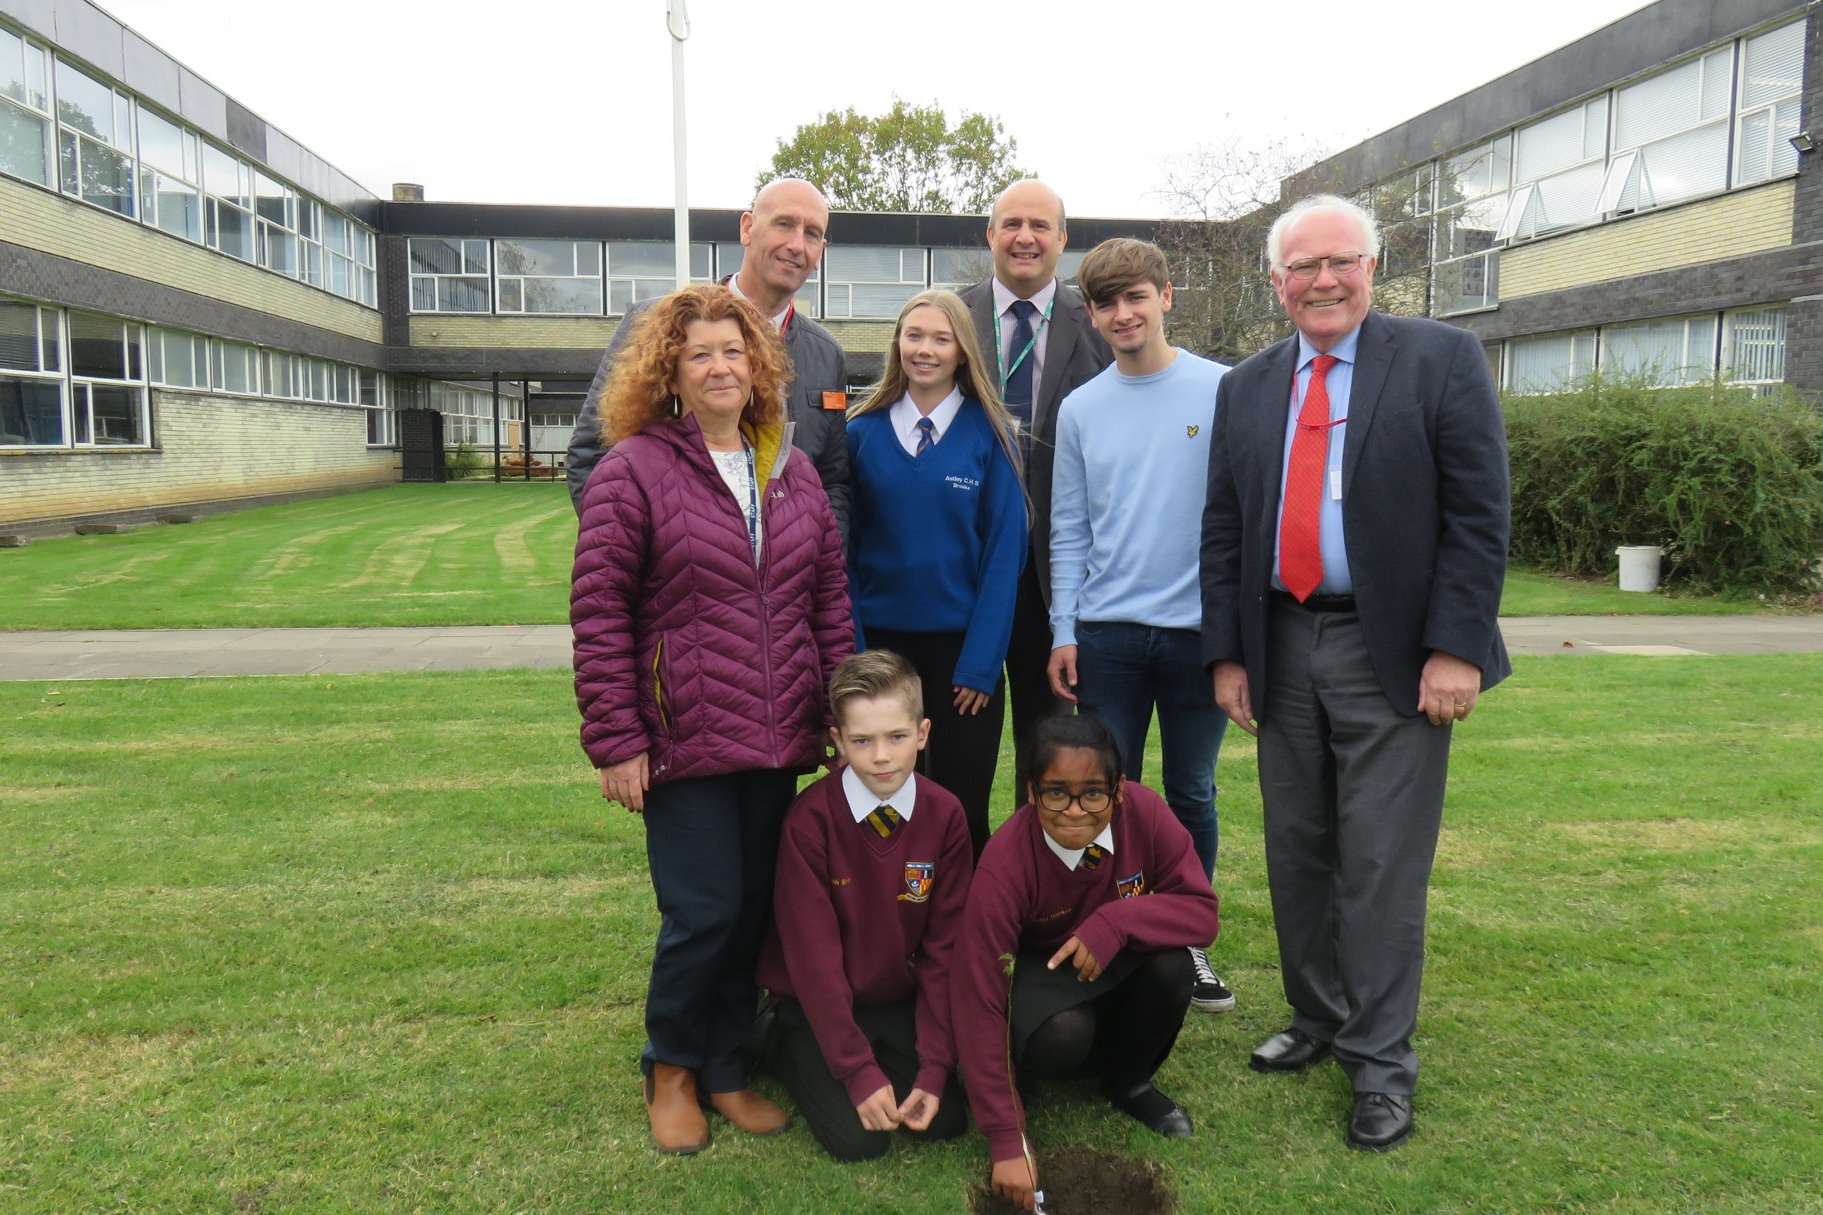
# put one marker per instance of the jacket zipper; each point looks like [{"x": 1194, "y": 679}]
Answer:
[
  {"x": 760, "y": 569},
  {"x": 658, "y": 686}
]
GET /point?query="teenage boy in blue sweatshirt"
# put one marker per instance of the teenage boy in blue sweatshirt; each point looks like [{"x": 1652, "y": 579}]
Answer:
[{"x": 1131, "y": 472}]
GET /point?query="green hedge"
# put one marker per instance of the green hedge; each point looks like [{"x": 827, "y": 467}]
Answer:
[{"x": 1729, "y": 483}]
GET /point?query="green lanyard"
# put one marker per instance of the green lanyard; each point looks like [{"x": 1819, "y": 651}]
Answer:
[{"x": 1030, "y": 345}]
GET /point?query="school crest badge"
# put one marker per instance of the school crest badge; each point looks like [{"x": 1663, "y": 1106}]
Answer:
[
  {"x": 1132, "y": 887},
  {"x": 918, "y": 881}
]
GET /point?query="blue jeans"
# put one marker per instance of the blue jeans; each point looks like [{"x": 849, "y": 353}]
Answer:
[{"x": 1122, "y": 672}]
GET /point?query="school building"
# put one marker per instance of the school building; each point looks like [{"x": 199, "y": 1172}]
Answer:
[{"x": 195, "y": 308}]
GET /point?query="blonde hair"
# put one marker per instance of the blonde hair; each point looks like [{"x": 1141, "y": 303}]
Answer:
[
  {"x": 972, "y": 375},
  {"x": 875, "y": 675},
  {"x": 638, "y": 390}
]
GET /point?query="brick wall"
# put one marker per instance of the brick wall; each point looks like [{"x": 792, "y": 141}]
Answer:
[
  {"x": 513, "y": 332},
  {"x": 209, "y": 448},
  {"x": 1747, "y": 221}
]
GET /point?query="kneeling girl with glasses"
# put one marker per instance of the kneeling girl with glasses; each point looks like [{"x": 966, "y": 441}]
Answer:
[{"x": 1072, "y": 961}]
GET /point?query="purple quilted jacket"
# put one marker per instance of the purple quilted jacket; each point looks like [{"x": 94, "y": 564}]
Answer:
[{"x": 684, "y": 649}]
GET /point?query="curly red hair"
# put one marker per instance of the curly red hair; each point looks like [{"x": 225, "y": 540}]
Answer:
[{"x": 638, "y": 390}]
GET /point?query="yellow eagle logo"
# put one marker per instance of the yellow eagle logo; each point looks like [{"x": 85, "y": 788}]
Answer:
[{"x": 1190, "y": 431}]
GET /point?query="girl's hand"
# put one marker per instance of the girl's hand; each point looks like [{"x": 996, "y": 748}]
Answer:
[
  {"x": 969, "y": 701},
  {"x": 1015, "y": 1182},
  {"x": 879, "y": 1112},
  {"x": 1074, "y": 951},
  {"x": 918, "y": 1110}
]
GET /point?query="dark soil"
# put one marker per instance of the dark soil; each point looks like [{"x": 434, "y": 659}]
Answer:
[{"x": 1088, "y": 1181}]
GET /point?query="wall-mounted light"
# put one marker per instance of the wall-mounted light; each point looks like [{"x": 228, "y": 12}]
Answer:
[{"x": 1803, "y": 142}]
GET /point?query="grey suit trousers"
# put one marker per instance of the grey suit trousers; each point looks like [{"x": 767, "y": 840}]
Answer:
[{"x": 1352, "y": 794}]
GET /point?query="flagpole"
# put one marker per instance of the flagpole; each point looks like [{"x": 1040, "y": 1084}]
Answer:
[{"x": 677, "y": 21}]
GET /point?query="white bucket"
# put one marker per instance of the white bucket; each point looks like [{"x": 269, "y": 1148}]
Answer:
[{"x": 1638, "y": 567}]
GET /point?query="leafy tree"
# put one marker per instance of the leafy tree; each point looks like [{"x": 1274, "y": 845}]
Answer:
[{"x": 911, "y": 158}]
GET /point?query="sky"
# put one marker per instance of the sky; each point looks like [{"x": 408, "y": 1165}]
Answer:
[{"x": 569, "y": 102}]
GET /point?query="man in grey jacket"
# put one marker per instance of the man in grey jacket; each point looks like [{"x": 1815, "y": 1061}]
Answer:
[{"x": 784, "y": 234}]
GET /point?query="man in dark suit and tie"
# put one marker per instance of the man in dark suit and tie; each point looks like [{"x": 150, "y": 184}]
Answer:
[
  {"x": 1043, "y": 347},
  {"x": 1354, "y": 547}
]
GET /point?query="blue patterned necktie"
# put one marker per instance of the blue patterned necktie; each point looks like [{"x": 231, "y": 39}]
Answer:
[
  {"x": 1019, "y": 380},
  {"x": 927, "y": 435}
]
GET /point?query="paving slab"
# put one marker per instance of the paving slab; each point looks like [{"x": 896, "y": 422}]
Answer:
[{"x": 208, "y": 653}]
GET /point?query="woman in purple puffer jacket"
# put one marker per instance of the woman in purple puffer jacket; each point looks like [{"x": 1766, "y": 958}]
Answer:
[{"x": 710, "y": 607}]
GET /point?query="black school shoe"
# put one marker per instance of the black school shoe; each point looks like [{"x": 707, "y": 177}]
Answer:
[
  {"x": 1380, "y": 1122},
  {"x": 1154, "y": 1111}
]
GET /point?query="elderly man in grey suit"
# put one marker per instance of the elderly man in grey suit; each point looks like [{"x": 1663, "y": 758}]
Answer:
[
  {"x": 784, "y": 234},
  {"x": 1043, "y": 347},
  {"x": 1354, "y": 547}
]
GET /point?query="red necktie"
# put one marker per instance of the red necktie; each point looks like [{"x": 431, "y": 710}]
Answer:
[{"x": 1300, "y": 548}]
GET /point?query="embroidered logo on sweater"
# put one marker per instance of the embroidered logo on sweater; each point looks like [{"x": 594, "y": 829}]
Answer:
[
  {"x": 1191, "y": 431},
  {"x": 1132, "y": 887},
  {"x": 918, "y": 881}
]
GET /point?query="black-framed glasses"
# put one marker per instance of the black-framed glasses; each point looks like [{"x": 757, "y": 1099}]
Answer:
[
  {"x": 1093, "y": 800},
  {"x": 1340, "y": 264}
]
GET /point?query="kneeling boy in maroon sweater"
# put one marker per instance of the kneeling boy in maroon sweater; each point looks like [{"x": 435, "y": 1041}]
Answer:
[{"x": 873, "y": 873}]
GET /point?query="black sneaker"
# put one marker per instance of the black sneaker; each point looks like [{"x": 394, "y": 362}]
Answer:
[{"x": 1210, "y": 994}]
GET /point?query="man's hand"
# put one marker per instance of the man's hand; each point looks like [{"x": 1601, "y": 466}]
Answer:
[
  {"x": 1062, "y": 672},
  {"x": 626, "y": 782},
  {"x": 918, "y": 1110},
  {"x": 879, "y": 1112},
  {"x": 1232, "y": 697},
  {"x": 1447, "y": 688},
  {"x": 1015, "y": 1182},
  {"x": 1076, "y": 953}
]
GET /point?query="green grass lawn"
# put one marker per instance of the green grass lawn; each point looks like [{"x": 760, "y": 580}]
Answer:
[
  {"x": 474, "y": 553},
  {"x": 373, "y": 944}
]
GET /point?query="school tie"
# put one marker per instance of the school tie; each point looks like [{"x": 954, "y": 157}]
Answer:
[
  {"x": 1019, "y": 381},
  {"x": 1091, "y": 856},
  {"x": 1301, "y": 513},
  {"x": 927, "y": 435},
  {"x": 884, "y": 820}
]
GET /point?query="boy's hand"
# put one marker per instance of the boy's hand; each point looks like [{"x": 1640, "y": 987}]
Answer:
[
  {"x": 879, "y": 1112},
  {"x": 1062, "y": 672},
  {"x": 918, "y": 1110},
  {"x": 1015, "y": 1182},
  {"x": 969, "y": 701},
  {"x": 1074, "y": 951}
]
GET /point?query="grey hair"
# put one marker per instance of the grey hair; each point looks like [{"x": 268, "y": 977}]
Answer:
[{"x": 1333, "y": 204}]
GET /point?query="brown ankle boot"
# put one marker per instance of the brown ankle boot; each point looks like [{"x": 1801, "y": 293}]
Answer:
[
  {"x": 751, "y": 1112},
  {"x": 678, "y": 1125}
]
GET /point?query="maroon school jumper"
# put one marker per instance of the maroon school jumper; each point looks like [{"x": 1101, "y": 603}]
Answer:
[
  {"x": 1149, "y": 895},
  {"x": 860, "y": 921}
]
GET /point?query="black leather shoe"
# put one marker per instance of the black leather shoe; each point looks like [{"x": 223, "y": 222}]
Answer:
[
  {"x": 1290, "y": 1051},
  {"x": 1154, "y": 1111},
  {"x": 1381, "y": 1122}
]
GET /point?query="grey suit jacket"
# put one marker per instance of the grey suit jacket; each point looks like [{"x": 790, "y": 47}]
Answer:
[
  {"x": 818, "y": 367},
  {"x": 1074, "y": 354},
  {"x": 1424, "y": 477}
]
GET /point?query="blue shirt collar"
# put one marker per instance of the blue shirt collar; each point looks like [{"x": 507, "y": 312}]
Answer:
[{"x": 1344, "y": 350}]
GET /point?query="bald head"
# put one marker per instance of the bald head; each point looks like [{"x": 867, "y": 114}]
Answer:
[
  {"x": 1025, "y": 233},
  {"x": 783, "y": 234}
]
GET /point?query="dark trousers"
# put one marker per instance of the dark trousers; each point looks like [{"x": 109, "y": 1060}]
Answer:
[
  {"x": 711, "y": 843},
  {"x": 1027, "y": 685},
  {"x": 1352, "y": 793},
  {"x": 964, "y": 749},
  {"x": 1123, "y": 672},
  {"x": 793, "y": 1056},
  {"x": 1121, "y": 1037}
]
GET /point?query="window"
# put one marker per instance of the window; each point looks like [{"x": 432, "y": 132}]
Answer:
[
  {"x": 178, "y": 360},
  {"x": 281, "y": 374},
  {"x": 1403, "y": 207},
  {"x": 548, "y": 276},
  {"x": 1753, "y": 346},
  {"x": 170, "y": 176},
  {"x": 1772, "y": 72},
  {"x": 376, "y": 397},
  {"x": 107, "y": 383},
  {"x": 1559, "y": 163},
  {"x": 447, "y": 274},
  {"x": 1664, "y": 352},
  {"x": 1471, "y": 202},
  {"x": 25, "y": 109},
  {"x": 275, "y": 209},
  {"x": 954, "y": 269},
  {"x": 871, "y": 280},
  {"x": 1678, "y": 122},
  {"x": 31, "y": 377},
  {"x": 94, "y": 140},
  {"x": 236, "y": 367},
  {"x": 228, "y": 213},
  {"x": 645, "y": 269},
  {"x": 1550, "y": 362}
]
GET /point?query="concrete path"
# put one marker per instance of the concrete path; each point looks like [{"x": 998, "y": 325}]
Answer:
[{"x": 193, "y": 653}]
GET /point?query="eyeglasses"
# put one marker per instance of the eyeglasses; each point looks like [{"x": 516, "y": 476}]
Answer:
[
  {"x": 1093, "y": 800},
  {"x": 1340, "y": 264}
]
